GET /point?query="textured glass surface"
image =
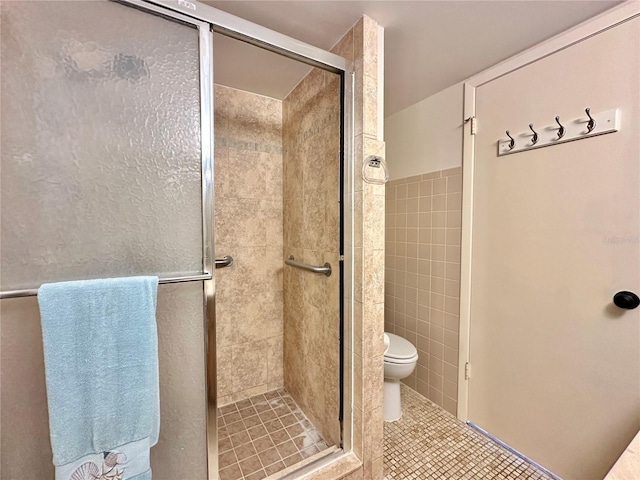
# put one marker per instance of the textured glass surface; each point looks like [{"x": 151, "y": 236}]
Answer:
[
  {"x": 100, "y": 143},
  {"x": 100, "y": 177}
]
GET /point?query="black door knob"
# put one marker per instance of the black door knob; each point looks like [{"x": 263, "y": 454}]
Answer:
[{"x": 628, "y": 300}]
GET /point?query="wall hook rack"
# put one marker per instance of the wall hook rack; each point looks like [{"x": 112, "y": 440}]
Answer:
[{"x": 597, "y": 124}]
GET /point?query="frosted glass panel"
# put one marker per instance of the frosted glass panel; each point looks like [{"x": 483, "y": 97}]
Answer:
[
  {"x": 100, "y": 177},
  {"x": 100, "y": 143}
]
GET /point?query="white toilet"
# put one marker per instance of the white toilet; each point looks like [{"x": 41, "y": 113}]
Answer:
[{"x": 400, "y": 360}]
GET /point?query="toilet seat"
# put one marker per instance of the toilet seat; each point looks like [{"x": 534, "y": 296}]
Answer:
[
  {"x": 403, "y": 361},
  {"x": 401, "y": 351}
]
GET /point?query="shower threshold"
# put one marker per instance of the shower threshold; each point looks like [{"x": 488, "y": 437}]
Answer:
[{"x": 265, "y": 436}]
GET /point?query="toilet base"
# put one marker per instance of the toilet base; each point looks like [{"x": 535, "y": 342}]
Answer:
[{"x": 392, "y": 410}]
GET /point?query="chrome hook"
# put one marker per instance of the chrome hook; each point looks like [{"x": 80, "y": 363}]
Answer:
[
  {"x": 534, "y": 140},
  {"x": 592, "y": 122},
  {"x": 512, "y": 143},
  {"x": 561, "y": 130}
]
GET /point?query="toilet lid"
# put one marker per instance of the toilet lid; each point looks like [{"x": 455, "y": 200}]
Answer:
[{"x": 400, "y": 348}]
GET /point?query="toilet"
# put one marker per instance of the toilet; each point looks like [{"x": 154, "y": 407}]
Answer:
[{"x": 400, "y": 360}]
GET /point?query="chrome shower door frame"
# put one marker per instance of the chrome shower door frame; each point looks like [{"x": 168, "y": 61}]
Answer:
[{"x": 208, "y": 20}]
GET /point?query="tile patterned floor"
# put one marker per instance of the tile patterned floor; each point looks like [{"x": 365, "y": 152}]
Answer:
[
  {"x": 430, "y": 443},
  {"x": 264, "y": 435}
]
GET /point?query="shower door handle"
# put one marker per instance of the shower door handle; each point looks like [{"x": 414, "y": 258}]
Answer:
[{"x": 225, "y": 261}]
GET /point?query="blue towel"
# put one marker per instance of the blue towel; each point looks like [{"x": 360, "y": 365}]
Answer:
[{"x": 101, "y": 364}]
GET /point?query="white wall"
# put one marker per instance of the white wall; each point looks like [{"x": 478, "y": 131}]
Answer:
[{"x": 426, "y": 136}]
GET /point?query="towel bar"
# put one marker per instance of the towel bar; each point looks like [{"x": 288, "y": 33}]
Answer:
[
  {"x": 326, "y": 268},
  {"x": 33, "y": 292},
  {"x": 225, "y": 261}
]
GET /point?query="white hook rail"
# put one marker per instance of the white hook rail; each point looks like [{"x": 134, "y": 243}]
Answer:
[{"x": 591, "y": 125}]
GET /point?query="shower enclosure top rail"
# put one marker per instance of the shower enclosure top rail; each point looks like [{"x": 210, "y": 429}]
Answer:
[
  {"x": 254, "y": 34},
  {"x": 33, "y": 292}
]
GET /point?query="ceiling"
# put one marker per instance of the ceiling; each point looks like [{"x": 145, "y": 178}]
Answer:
[{"x": 429, "y": 45}]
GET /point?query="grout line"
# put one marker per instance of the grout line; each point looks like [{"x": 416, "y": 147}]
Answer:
[
  {"x": 430, "y": 443},
  {"x": 283, "y": 399}
]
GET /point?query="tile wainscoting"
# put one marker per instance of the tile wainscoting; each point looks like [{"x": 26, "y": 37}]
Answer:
[{"x": 422, "y": 277}]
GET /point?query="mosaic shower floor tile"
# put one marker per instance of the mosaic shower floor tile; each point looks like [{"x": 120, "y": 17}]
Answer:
[
  {"x": 429, "y": 443},
  {"x": 263, "y": 435}
]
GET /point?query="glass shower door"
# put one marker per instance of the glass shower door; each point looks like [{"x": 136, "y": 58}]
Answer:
[
  {"x": 277, "y": 184},
  {"x": 312, "y": 210},
  {"x": 101, "y": 176}
]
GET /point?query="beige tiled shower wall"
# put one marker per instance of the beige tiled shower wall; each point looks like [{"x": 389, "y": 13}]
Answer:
[
  {"x": 311, "y": 144},
  {"x": 363, "y": 44},
  {"x": 248, "y": 226},
  {"x": 422, "y": 277}
]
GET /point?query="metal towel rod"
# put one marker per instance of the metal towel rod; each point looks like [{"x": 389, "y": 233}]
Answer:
[
  {"x": 326, "y": 268},
  {"x": 225, "y": 261},
  {"x": 33, "y": 292}
]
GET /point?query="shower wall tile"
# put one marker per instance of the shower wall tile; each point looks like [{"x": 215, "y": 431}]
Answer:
[
  {"x": 251, "y": 369},
  {"x": 248, "y": 226},
  {"x": 426, "y": 276},
  {"x": 365, "y": 34},
  {"x": 345, "y": 46},
  {"x": 369, "y": 261},
  {"x": 310, "y": 108},
  {"x": 311, "y": 178},
  {"x": 250, "y": 118}
]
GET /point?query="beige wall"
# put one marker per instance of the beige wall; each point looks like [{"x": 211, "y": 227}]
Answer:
[
  {"x": 426, "y": 136},
  {"x": 422, "y": 277},
  {"x": 555, "y": 234},
  {"x": 311, "y": 139},
  {"x": 248, "y": 215}
]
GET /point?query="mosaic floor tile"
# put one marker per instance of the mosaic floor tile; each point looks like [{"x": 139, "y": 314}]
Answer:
[
  {"x": 429, "y": 443},
  {"x": 263, "y": 435}
]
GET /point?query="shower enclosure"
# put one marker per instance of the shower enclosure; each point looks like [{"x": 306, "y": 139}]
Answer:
[
  {"x": 123, "y": 154},
  {"x": 277, "y": 184}
]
